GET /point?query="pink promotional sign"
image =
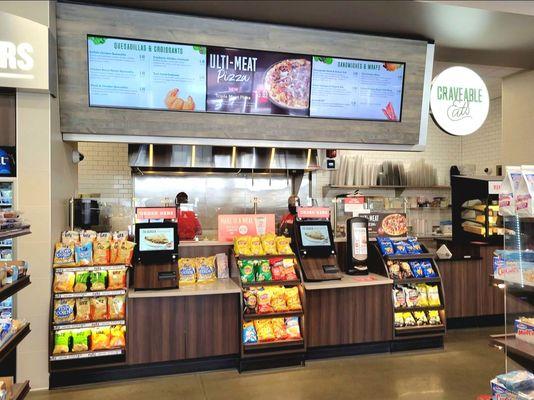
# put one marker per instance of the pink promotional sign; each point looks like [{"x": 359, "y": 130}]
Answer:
[
  {"x": 232, "y": 225},
  {"x": 313, "y": 212},
  {"x": 143, "y": 213}
]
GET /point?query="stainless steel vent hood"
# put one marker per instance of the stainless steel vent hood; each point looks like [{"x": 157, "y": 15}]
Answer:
[{"x": 165, "y": 157}]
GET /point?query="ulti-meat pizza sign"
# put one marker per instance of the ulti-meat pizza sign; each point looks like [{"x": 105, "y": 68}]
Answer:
[{"x": 459, "y": 101}]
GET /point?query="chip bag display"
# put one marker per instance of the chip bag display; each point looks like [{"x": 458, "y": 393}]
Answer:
[
  {"x": 70, "y": 237},
  {"x": 249, "y": 333},
  {"x": 412, "y": 296},
  {"x": 80, "y": 338},
  {"x": 117, "y": 336},
  {"x": 64, "y": 311},
  {"x": 114, "y": 252},
  {"x": 246, "y": 270},
  {"x": 420, "y": 318},
  {"x": 116, "y": 307},
  {"x": 400, "y": 247},
  {"x": 416, "y": 246},
  {"x": 293, "y": 299},
  {"x": 432, "y": 292},
  {"x": 268, "y": 242},
  {"x": 125, "y": 253},
  {"x": 264, "y": 301},
  {"x": 101, "y": 254},
  {"x": 242, "y": 246},
  {"x": 119, "y": 236},
  {"x": 277, "y": 271},
  {"x": 61, "y": 342},
  {"x": 264, "y": 330},
  {"x": 255, "y": 246},
  {"x": 398, "y": 320},
  {"x": 206, "y": 270},
  {"x": 433, "y": 317},
  {"x": 83, "y": 309},
  {"x": 422, "y": 301},
  {"x": 409, "y": 320},
  {"x": 251, "y": 301},
  {"x": 80, "y": 283},
  {"x": 428, "y": 271},
  {"x": 283, "y": 245},
  {"x": 406, "y": 270},
  {"x": 100, "y": 338},
  {"x": 394, "y": 269},
  {"x": 187, "y": 271},
  {"x": 279, "y": 328},
  {"x": 103, "y": 237},
  {"x": 278, "y": 299},
  {"x": 292, "y": 328},
  {"x": 417, "y": 269},
  {"x": 99, "y": 308},
  {"x": 84, "y": 253},
  {"x": 288, "y": 269},
  {"x": 64, "y": 282},
  {"x": 116, "y": 279},
  {"x": 64, "y": 255},
  {"x": 386, "y": 245},
  {"x": 263, "y": 271},
  {"x": 399, "y": 297},
  {"x": 98, "y": 280},
  {"x": 87, "y": 236}
]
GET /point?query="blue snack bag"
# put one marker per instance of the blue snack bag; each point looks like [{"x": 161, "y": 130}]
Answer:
[
  {"x": 386, "y": 246},
  {"x": 428, "y": 270},
  {"x": 417, "y": 269},
  {"x": 400, "y": 247},
  {"x": 249, "y": 333},
  {"x": 84, "y": 254},
  {"x": 416, "y": 247}
]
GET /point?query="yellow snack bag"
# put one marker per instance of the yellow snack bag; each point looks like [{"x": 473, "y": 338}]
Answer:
[
  {"x": 422, "y": 300},
  {"x": 293, "y": 299},
  {"x": 268, "y": 242},
  {"x": 206, "y": 269},
  {"x": 283, "y": 245},
  {"x": 255, "y": 246},
  {"x": 264, "y": 330},
  {"x": 64, "y": 255},
  {"x": 278, "y": 299},
  {"x": 242, "y": 246},
  {"x": 187, "y": 271}
]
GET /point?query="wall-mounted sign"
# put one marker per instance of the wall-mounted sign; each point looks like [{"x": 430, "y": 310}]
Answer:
[
  {"x": 459, "y": 101},
  {"x": 232, "y": 225},
  {"x": 149, "y": 213},
  {"x": 24, "y": 53},
  {"x": 386, "y": 224}
]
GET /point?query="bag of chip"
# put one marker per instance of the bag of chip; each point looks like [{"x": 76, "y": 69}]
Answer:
[
  {"x": 242, "y": 246},
  {"x": 399, "y": 321},
  {"x": 409, "y": 320},
  {"x": 409, "y": 248},
  {"x": 80, "y": 338},
  {"x": 70, "y": 237},
  {"x": 103, "y": 237},
  {"x": 116, "y": 307},
  {"x": 264, "y": 301},
  {"x": 99, "y": 309},
  {"x": 432, "y": 293},
  {"x": 84, "y": 253},
  {"x": 293, "y": 299},
  {"x": 416, "y": 246},
  {"x": 249, "y": 333},
  {"x": 80, "y": 283},
  {"x": 406, "y": 270},
  {"x": 264, "y": 330},
  {"x": 117, "y": 336},
  {"x": 283, "y": 245},
  {"x": 125, "y": 254},
  {"x": 114, "y": 252},
  {"x": 412, "y": 296},
  {"x": 386, "y": 245},
  {"x": 255, "y": 246},
  {"x": 101, "y": 254},
  {"x": 206, "y": 270},
  {"x": 187, "y": 271},
  {"x": 277, "y": 271},
  {"x": 399, "y": 247},
  {"x": 251, "y": 301},
  {"x": 117, "y": 279},
  {"x": 420, "y": 318},
  {"x": 64, "y": 255},
  {"x": 428, "y": 271},
  {"x": 268, "y": 242},
  {"x": 87, "y": 236},
  {"x": 100, "y": 338},
  {"x": 278, "y": 299},
  {"x": 417, "y": 270},
  {"x": 61, "y": 342},
  {"x": 288, "y": 269},
  {"x": 279, "y": 328},
  {"x": 83, "y": 309},
  {"x": 63, "y": 282},
  {"x": 263, "y": 271},
  {"x": 394, "y": 269},
  {"x": 433, "y": 317},
  {"x": 98, "y": 280},
  {"x": 422, "y": 301},
  {"x": 119, "y": 236},
  {"x": 293, "y": 328},
  {"x": 64, "y": 311},
  {"x": 399, "y": 297},
  {"x": 246, "y": 270}
]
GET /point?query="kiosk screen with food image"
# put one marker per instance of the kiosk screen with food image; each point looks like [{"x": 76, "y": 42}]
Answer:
[
  {"x": 153, "y": 239},
  {"x": 314, "y": 235}
]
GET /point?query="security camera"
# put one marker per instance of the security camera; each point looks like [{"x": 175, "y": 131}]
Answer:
[
  {"x": 488, "y": 170},
  {"x": 77, "y": 156}
]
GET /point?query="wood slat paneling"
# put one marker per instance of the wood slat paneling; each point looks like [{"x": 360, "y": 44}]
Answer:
[
  {"x": 349, "y": 315},
  {"x": 460, "y": 284},
  {"x": 490, "y": 298},
  {"x": 76, "y": 21}
]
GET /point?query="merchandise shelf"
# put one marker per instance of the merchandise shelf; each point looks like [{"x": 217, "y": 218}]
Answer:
[
  {"x": 100, "y": 293},
  {"x": 12, "y": 288},
  {"x": 21, "y": 390},
  {"x": 13, "y": 341}
]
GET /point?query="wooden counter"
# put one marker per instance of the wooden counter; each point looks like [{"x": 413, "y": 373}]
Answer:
[{"x": 220, "y": 286}]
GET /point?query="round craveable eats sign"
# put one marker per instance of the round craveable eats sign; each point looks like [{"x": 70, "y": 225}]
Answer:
[{"x": 459, "y": 101}]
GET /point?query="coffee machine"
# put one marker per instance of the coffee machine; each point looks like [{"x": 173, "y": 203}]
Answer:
[{"x": 357, "y": 251}]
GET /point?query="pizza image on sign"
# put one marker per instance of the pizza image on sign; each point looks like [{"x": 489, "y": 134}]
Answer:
[{"x": 288, "y": 83}]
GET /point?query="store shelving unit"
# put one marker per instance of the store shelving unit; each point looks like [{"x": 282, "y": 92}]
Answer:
[
  {"x": 267, "y": 354},
  {"x": 66, "y": 362},
  {"x": 21, "y": 390},
  {"x": 379, "y": 266}
]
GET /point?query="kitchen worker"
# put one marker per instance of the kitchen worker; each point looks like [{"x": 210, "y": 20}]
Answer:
[
  {"x": 286, "y": 224},
  {"x": 188, "y": 224}
]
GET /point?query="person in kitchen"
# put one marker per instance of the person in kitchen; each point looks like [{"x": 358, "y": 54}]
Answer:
[
  {"x": 188, "y": 223},
  {"x": 286, "y": 224}
]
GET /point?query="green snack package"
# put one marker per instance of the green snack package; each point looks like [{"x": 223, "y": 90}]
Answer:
[
  {"x": 98, "y": 280},
  {"x": 246, "y": 269},
  {"x": 61, "y": 342},
  {"x": 80, "y": 339},
  {"x": 80, "y": 283},
  {"x": 263, "y": 271}
]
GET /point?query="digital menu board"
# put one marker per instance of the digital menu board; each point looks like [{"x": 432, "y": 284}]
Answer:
[
  {"x": 125, "y": 73},
  {"x": 354, "y": 89},
  {"x": 140, "y": 74}
]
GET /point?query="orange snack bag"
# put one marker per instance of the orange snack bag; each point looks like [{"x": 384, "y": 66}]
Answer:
[
  {"x": 101, "y": 252},
  {"x": 100, "y": 338},
  {"x": 125, "y": 254}
]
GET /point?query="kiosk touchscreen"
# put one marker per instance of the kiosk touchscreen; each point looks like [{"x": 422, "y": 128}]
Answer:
[
  {"x": 357, "y": 238},
  {"x": 315, "y": 247}
]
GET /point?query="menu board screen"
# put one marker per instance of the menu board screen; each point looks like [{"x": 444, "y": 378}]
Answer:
[
  {"x": 356, "y": 89},
  {"x": 141, "y": 74},
  {"x": 257, "y": 82},
  {"x": 315, "y": 235}
]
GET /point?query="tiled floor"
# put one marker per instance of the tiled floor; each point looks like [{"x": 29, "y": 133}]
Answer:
[{"x": 461, "y": 371}]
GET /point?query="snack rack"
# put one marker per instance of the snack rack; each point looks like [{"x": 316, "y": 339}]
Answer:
[
  {"x": 7, "y": 354},
  {"x": 59, "y": 363},
  {"x": 272, "y": 353},
  {"x": 378, "y": 265}
]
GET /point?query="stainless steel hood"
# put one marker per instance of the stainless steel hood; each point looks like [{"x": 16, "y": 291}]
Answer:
[{"x": 153, "y": 156}]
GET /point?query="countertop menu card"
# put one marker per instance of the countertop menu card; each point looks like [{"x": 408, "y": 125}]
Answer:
[
  {"x": 355, "y": 89},
  {"x": 140, "y": 74},
  {"x": 257, "y": 82}
]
